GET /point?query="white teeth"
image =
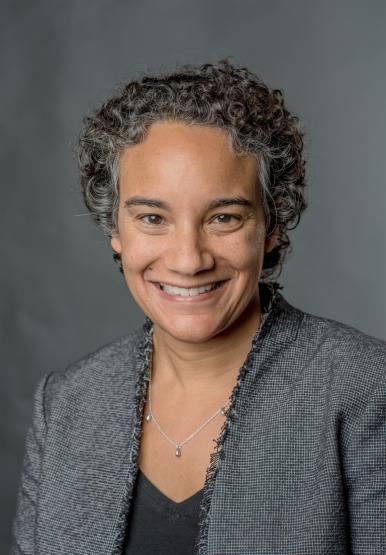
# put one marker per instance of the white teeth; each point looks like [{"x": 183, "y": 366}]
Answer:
[{"x": 182, "y": 291}]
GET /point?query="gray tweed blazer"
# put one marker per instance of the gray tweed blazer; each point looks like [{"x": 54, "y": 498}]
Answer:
[{"x": 299, "y": 467}]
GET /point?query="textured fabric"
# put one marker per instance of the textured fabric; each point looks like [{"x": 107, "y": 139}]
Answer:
[
  {"x": 299, "y": 467},
  {"x": 159, "y": 525}
]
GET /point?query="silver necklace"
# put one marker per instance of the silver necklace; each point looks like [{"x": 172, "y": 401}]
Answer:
[{"x": 178, "y": 445}]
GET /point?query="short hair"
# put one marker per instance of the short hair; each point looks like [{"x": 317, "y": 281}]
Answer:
[{"x": 216, "y": 95}]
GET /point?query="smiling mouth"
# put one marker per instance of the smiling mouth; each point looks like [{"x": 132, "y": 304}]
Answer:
[{"x": 191, "y": 291}]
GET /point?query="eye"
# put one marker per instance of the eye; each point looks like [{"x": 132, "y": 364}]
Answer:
[
  {"x": 227, "y": 218},
  {"x": 153, "y": 219}
]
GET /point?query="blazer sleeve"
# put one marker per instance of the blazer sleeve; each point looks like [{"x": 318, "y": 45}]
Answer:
[
  {"x": 366, "y": 476},
  {"x": 24, "y": 527}
]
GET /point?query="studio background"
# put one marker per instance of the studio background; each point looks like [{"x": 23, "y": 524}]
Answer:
[{"x": 61, "y": 293}]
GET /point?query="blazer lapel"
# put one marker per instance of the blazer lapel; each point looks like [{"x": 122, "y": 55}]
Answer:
[
  {"x": 92, "y": 444},
  {"x": 217, "y": 528}
]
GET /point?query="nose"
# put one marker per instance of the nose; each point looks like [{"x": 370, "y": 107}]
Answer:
[{"x": 188, "y": 252}]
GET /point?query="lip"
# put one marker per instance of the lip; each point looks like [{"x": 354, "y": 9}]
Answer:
[
  {"x": 189, "y": 286},
  {"x": 196, "y": 298}
]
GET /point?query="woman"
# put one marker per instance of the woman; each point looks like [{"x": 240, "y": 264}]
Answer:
[{"x": 231, "y": 422}]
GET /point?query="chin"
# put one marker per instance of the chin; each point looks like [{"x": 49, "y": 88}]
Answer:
[{"x": 190, "y": 330}]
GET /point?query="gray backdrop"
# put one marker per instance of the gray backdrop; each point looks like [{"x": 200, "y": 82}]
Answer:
[{"x": 61, "y": 294}]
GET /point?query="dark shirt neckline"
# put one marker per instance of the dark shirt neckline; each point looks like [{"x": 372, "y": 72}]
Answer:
[{"x": 188, "y": 504}]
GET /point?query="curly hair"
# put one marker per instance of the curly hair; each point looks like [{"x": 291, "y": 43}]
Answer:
[{"x": 218, "y": 95}]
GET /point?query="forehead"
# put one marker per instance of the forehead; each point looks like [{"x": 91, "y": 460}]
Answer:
[{"x": 176, "y": 155}]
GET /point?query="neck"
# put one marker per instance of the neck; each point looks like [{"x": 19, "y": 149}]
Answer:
[{"x": 210, "y": 365}]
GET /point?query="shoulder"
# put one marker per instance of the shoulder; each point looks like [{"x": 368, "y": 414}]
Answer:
[
  {"x": 316, "y": 333},
  {"x": 347, "y": 342},
  {"x": 104, "y": 359},
  {"x": 353, "y": 363},
  {"x": 96, "y": 375}
]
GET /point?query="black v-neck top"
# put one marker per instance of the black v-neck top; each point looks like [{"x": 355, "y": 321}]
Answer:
[{"x": 159, "y": 525}]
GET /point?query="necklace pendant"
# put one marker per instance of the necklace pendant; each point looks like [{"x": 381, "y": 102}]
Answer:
[
  {"x": 148, "y": 418},
  {"x": 222, "y": 411},
  {"x": 178, "y": 451}
]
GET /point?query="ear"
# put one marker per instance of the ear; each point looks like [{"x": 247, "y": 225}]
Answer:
[
  {"x": 115, "y": 242},
  {"x": 271, "y": 240}
]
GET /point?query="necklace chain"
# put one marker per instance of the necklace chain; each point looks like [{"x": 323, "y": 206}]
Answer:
[
  {"x": 150, "y": 416},
  {"x": 178, "y": 445}
]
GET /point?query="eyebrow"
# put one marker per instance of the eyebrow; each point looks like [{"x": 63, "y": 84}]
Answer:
[{"x": 215, "y": 203}]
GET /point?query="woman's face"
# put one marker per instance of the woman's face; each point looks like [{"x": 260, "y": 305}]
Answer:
[{"x": 190, "y": 216}]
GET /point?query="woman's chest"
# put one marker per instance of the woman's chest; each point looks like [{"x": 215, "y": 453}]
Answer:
[{"x": 181, "y": 475}]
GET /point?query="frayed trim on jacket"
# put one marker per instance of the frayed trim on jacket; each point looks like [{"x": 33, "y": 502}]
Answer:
[{"x": 143, "y": 356}]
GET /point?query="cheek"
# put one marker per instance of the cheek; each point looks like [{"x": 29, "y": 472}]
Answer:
[
  {"x": 137, "y": 254},
  {"x": 249, "y": 252}
]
